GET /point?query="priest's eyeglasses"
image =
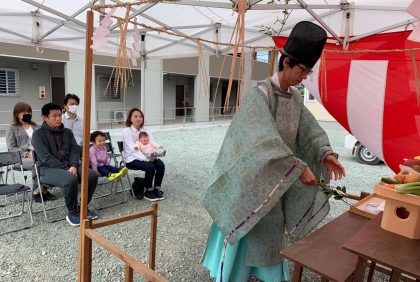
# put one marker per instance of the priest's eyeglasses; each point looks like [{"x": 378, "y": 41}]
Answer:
[{"x": 306, "y": 71}]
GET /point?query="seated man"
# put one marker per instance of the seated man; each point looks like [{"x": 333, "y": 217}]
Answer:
[
  {"x": 70, "y": 118},
  {"x": 58, "y": 160}
]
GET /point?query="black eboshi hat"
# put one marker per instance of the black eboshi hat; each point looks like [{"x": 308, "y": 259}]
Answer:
[{"x": 305, "y": 43}]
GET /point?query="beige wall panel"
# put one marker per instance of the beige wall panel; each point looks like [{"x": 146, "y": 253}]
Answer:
[
  {"x": 181, "y": 66},
  {"x": 17, "y": 50}
]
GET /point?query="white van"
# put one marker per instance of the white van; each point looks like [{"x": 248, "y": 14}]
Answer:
[{"x": 363, "y": 155}]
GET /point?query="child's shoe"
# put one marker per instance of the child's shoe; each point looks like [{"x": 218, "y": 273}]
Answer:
[
  {"x": 123, "y": 171},
  {"x": 113, "y": 176}
]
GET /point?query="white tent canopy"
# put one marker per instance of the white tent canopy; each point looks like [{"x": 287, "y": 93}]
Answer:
[{"x": 62, "y": 24}]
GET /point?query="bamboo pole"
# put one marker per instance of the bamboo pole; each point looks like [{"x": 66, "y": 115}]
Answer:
[
  {"x": 272, "y": 62},
  {"x": 85, "y": 249}
]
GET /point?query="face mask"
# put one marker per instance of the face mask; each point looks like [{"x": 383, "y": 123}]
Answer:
[
  {"x": 73, "y": 109},
  {"x": 27, "y": 118}
]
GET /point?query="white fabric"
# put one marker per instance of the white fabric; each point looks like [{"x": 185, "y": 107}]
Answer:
[
  {"x": 365, "y": 101},
  {"x": 196, "y": 21},
  {"x": 29, "y": 131},
  {"x": 130, "y": 136}
]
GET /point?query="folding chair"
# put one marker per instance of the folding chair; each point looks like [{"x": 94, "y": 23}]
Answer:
[
  {"x": 113, "y": 185},
  {"x": 111, "y": 153},
  {"x": 44, "y": 208},
  {"x": 121, "y": 149},
  {"x": 8, "y": 159}
]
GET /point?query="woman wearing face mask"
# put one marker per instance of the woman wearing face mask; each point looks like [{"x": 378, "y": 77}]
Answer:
[
  {"x": 70, "y": 118},
  {"x": 18, "y": 138}
]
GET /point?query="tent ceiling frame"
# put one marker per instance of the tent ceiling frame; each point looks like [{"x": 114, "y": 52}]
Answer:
[
  {"x": 10, "y": 14},
  {"x": 65, "y": 23},
  {"x": 320, "y": 21},
  {"x": 72, "y": 23},
  {"x": 135, "y": 13},
  {"x": 253, "y": 2},
  {"x": 192, "y": 26},
  {"x": 177, "y": 31},
  {"x": 254, "y": 6},
  {"x": 54, "y": 12},
  {"x": 172, "y": 40},
  {"x": 251, "y": 30},
  {"x": 74, "y": 15},
  {"x": 141, "y": 13},
  {"x": 16, "y": 34},
  {"x": 180, "y": 40},
  {"x": 286, "y": 27},
  {"x": 397, "y": 25},
  {"x": 208, "y": 4}
]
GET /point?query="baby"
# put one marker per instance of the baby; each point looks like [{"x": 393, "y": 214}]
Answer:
[{"x": 149, "y": 149}]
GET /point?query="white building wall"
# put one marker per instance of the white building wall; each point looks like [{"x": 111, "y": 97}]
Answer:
[
  {"x": 29, "y": 81},
  {"x": 153, "y": 102},
  {"x": 105, "y": 109},
  {"x": 202, "y": 91},
  {"x": 316, "y": 108},
  {"x": 75, "y": 83},
  {"x": 169, "y": 98}
]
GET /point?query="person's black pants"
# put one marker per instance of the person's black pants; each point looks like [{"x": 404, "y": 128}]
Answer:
[
  {"x": 70, "y": 183},
  {"x": 155, "y": 169}
]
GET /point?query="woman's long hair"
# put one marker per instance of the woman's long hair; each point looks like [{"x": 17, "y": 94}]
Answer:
[
  {"x": 128, "y": 122},
  {"x": 21, "y": 107}
]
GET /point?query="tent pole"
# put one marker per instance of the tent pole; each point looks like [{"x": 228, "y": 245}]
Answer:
[
  {"x": 85, "y": 244},
  {"x": 142, "y": 73}
]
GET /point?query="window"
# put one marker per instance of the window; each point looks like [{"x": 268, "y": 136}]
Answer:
[
  {"x": 111, "y": 93},
  {"x": 262, "y": 56},
  {"x": 9, "y": 82}
]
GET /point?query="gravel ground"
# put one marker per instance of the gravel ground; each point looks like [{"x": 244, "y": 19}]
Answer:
[{"x": 49, "y": 252}]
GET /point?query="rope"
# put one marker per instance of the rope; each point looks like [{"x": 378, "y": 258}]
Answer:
[
  {"x": 167, "y": 31},
  {"x": 371, "y": 51}
]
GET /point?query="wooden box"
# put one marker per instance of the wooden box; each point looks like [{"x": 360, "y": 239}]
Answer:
[
  {"x": 361, "y": 206},
  {"x": 401, "y": 213}
]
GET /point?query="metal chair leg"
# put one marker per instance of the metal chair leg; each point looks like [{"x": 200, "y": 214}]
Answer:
[{"x": 111, "y": 188}]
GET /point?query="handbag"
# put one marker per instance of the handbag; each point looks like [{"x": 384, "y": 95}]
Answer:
[{"x": 138, "y": 187}]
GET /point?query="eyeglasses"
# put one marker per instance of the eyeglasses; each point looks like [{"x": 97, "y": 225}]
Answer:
[{"x": 306, "y": 71}]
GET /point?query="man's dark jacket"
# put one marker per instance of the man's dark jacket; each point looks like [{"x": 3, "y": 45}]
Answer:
[{"x": 55, "y": 148}]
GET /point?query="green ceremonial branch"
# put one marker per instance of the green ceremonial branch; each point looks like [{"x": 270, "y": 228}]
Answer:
[{"x": 338, "y": 192}]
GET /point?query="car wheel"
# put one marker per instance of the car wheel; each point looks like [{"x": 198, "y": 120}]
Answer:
[{"x": 364, "y": 156}]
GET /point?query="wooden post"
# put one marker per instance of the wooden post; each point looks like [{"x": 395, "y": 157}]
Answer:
[
  {"x": 84, "y": 249},
  {"x": 86, "y": 275},
  {"x": 128, "y": 273},
  {"x": 297, "y": 272},
  {"x": 153, "y": 229}
]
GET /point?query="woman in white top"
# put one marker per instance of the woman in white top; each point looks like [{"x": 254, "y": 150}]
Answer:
[
  {"x": 136, "y": 160},
  {"x": 18, "y": 138}
]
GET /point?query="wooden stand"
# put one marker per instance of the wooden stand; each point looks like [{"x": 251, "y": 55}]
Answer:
[
  {"x": 400, "y": 254},
  {"x": 402, "y": 212},
  {"x": 322, "y": 253}
]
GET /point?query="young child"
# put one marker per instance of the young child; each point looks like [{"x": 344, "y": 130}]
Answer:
[
  {"x": 99, "y": 158},
  {"x": 149, "y": 149}
]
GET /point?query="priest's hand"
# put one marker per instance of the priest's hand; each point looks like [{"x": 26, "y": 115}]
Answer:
[
  {"x": 335, "y": 169},
  {"x": 307, "y": 177}
]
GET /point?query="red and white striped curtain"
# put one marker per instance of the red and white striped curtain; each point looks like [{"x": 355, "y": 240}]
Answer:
[{"x": 372, "y": 89}]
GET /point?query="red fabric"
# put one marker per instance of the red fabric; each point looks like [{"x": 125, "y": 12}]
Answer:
[{"x": 401, "y": 132}]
